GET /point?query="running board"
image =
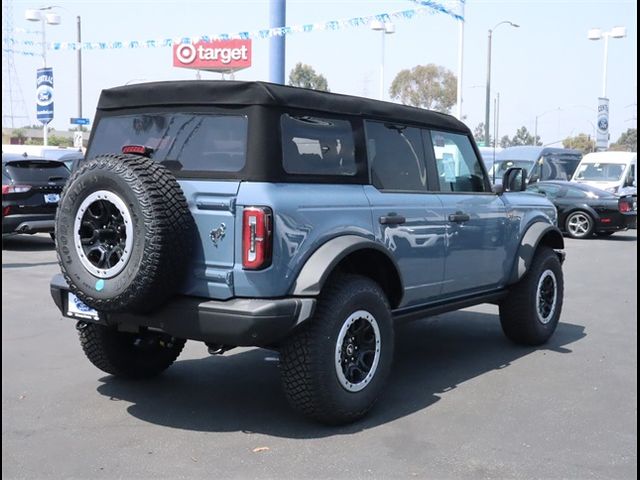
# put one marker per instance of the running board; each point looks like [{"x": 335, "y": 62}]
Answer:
[{"x": 421, "y": 311}]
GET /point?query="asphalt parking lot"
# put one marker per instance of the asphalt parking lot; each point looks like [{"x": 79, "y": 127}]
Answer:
[{"x": 462, "y": 401}]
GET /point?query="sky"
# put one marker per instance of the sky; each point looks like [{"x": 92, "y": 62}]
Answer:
[{"x": 547, "y": 68}]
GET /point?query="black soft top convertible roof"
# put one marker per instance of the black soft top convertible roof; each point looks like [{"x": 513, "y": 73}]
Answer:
[{"x": 220, "y": 92}]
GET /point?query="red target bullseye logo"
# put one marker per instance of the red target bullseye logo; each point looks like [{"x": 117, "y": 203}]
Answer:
[{"x": 186, "y": 53}]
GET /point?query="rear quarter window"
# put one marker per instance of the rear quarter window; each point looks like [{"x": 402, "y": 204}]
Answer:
[
  {"x": 317, "y": 146},
  {"x": 183, "y": 142}
]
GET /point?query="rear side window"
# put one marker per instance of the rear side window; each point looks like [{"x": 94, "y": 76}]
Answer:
[
  {"x": 396, "y": 157},
  {"x": 25, "y": 171},
  {"x": 317, "y": 146},
  {"x": 183, "y": 142},
  {"x": 459, "y": 168}
]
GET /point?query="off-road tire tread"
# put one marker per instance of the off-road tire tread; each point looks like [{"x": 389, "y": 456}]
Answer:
[
  {"x": 517, "y": 315},
  {"x": 301, "y": 373},
  {"x": 168, "y": 242},
  {"x": 100, "y": 345}
]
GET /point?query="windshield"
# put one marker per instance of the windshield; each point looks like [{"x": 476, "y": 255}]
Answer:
[
  {"x": 500, "y": 167},
  {"x": 600, "y": 172}
]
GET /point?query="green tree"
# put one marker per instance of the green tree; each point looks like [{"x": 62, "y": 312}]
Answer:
[
  {"x": 305, "y": 76},
  {"x": 478, "y": 135},
  {"x": 522, "y": 137},
  {"x": 582, "y": 142},
  {"x": 59, "y": 141},
  {"x": 428, "y": 86},
  {"x": 628, "y": 141},
  {"x": 505, "y": 141}
]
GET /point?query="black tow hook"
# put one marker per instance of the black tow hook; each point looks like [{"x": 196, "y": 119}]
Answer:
[{"x": 81, "y": 325}]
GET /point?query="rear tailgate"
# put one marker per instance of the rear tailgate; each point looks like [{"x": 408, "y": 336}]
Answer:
[{"x": 212, "y": 204}]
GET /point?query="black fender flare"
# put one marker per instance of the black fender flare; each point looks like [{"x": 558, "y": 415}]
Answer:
[
  {"x": 538, "y": 232},
  {"x": 323, "y": 261}
]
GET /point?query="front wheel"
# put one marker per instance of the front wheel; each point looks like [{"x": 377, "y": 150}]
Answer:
[
  {"x": 530, "y": 313},
  {"x": 135, "y": 355},
  {"x": 336, "y": 366},
  {"x": 579, "y": 225}
]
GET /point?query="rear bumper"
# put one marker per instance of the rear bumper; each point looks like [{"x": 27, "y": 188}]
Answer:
[
  {"x": 235, "y": 322},
  {"x": 28, "y": 223},
  {"x": 621, "y": 221}
]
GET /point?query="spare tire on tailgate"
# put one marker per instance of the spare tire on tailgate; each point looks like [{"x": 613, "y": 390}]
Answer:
[{"x": 124, "y": 233}]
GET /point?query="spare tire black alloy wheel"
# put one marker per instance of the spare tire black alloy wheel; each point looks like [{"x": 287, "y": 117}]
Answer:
[{"x": 103, "y": 234}]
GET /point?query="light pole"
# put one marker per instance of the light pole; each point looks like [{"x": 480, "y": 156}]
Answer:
[
  {"x": 488, "y": 98},
  {"x": 460, "y": 63},
  {"x": 387, "y": 28},
  {"x": 602, "y": 118},
  {"x": 597, "y": 34},
  {"x": 535, "y": 128},
  {"x": 51, "y": 19}
]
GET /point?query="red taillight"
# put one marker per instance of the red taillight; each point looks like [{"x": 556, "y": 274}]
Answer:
[
  {"x": 624, "y": 206},
  {"x": 138, "y": 150},
  {"x": 256, "y": 237},
  {"x": 6, "y": 189},
  {"x": 6, "y": 210}
]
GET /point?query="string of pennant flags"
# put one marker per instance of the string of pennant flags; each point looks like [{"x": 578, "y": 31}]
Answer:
[{"x": 20, "y": 47}]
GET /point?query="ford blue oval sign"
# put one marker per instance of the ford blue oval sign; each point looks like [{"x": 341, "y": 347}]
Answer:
[
  {"x": 44, "y": 95},
  {"x": 602, "y": 137}
]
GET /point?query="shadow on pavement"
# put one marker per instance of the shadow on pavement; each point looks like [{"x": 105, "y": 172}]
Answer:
[
  {"x": 27, "y": 243},
  {"x": 242, "y": 392},
  {"x": 23, "y": 265},
  {"x": 620, "y": 238}
]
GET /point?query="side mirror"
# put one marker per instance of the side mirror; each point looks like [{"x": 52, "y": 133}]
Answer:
[{"x": 514, "y": 180}]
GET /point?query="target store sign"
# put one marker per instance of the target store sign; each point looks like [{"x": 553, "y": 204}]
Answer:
[{"x": 219, "y": 55}]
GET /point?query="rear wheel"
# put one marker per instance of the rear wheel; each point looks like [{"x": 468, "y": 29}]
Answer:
[
  {"x": 579, "y": 225},
  {"x": 134, "y": 355},
  {"x": 336, "y": 366},
  {"x": 530, "y": 313}
]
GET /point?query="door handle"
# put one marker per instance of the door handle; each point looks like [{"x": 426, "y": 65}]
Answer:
[
  {"x": 459, "y": 217},
  {"x": 392, "y": 220}
]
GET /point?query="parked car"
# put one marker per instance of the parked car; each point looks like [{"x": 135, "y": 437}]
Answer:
[
  {"x": 541, "y": 163},
  {"x": 72, "y": 160},
  {"x": 489, "y": 155},
  {"x": 584, "y": 210},
  {"x": 254, "y": 214},
  {"x": 614, "y": 172},
  {"x": 31, "y": 189}
]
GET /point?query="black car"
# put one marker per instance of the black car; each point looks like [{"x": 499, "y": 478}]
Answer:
[
  {"x": 72, "y": 160},
  {"x": 584, "y": 210},
  {"x": 31, "y": 189}
]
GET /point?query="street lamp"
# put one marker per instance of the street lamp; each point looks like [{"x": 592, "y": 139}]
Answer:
[
  {"x": 488, "y": 99},
  {"x": 387, "y": 28},
  {"x": 535, "y": 128},
  {"x": 44, "y": 18},
  {"x": 35, "y": 15},
  {"x": 597, "y": 34}
]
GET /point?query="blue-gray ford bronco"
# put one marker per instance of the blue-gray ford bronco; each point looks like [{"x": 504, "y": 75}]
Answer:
[{"x": 310, "y": 223}]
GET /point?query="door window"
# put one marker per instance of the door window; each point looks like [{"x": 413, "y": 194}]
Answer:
[
  {"x": 396, "y": 157},
  {"x": 459, "y": 168}
]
